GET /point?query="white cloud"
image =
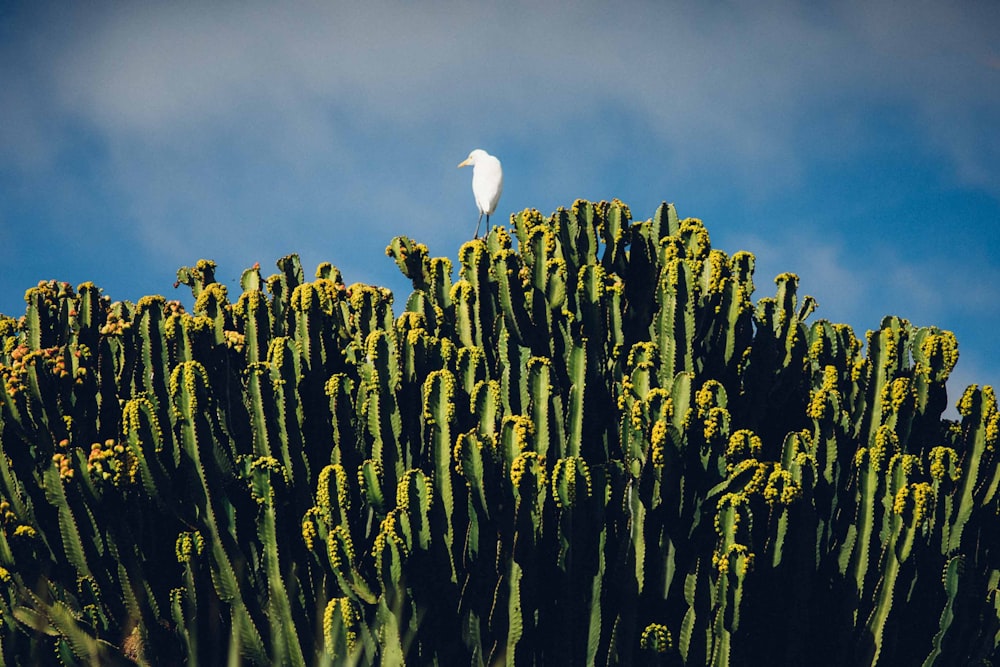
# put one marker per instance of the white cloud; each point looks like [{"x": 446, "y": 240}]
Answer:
[{"x": 732, "y": 88}]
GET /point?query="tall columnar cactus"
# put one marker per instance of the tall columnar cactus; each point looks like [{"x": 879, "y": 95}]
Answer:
[{"x": 587, "y": 445}]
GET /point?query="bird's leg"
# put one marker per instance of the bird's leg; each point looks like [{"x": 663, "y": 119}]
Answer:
[{"x": 478, "y": 222}]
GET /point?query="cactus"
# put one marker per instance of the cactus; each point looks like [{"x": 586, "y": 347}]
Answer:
[{"x": 590, "y": 445}]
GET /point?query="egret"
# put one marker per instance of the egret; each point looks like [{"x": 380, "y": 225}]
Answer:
[{"x": 487, "y": 183}]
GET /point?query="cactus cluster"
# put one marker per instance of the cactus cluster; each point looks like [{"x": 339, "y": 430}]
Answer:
[{"x": 585, "y": 443}]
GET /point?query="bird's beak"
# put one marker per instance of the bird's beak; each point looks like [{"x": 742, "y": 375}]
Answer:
[{"x": 464, "y": 163}]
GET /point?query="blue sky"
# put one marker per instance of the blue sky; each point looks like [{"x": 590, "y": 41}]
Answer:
[{"x": 857, "y": 145}]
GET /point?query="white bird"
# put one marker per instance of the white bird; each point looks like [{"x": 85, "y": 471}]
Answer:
[{"x": 487, "y": 183}]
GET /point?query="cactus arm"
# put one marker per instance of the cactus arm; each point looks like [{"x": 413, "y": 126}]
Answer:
[
  {"x": 264, "y": 472},
  {"x": 952, "y": 581},
  {"x": 439, "y": 414},
  {"x": 514, "y": 388},
  {"x": 152, "y": 369},
  {"x": 578, "y": 374},
  {"x": 257, "y": 324},
  {"x": 391, "y": 642},
  {"x": 190, "y": 397},
  {"x": 868, "y": 482},
  {"x": 511, "y": 295},
  {"x": 615, "y": 230},
  {"x": 261, "y": 404},
  {"x": 309, "y": 305},
  {"x": 515, "y": 614},
  {"x": 980, "y": 470},
  {"x": 539, "y": 384},
  {"x": 69, "y": 529},
  {"x": 412, "y": 260},
  {"x": 283, "y": 400}
]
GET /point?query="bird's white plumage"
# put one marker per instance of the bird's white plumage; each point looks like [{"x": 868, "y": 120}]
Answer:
[{"x": 487, "y": 182}]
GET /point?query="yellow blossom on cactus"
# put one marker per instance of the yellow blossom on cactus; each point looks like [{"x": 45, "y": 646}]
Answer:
[
  {"x": 899, "y": 502},
  {"x": 804, "y": 459},
  {"x": 190, "y": 375},
  {"x": 332, "y": 386},
  {"x": 333, "y": 480},
  {"x": 941, "y": 350},
  {"x": 414, "y": 336},
  {"x": 642, "y": 351},
  {"x": 148, "y": 302},
  {"x": 656, "y": 638},
  {"x": 234, "y": 340},
  {"x": 989, "y": 398},
  {"x": 340, "y": 548},
  {"x": 910, "y": 464},
  {"x": 25, "y": 531},
  {"x": 670, "y": 274},
  {"x": 471, "y": 253},
  {"x": 388, "y": 538},
  {"x": 718, "y": 271},
  {"x": 439, "y": 384},
  {"x": 730, "y": 511},
  {"x": 966, "y": 402},
  {"x": 566, "y": 476},
  {"x": 411, "y": 482},
  {"x": 716, "y": 423},
  {"x": 503, "y": 237},
  {"x": 885, "y": 446},
  {"x": 410, "y": 320},
  {"x": 687, "y": 419},
  {"x": 530, "y": 217},
  {"x": 944, "y": 459},
  {"x": 188, "y": 545},
  {"x": 523, "y": 429},
  {"x": 923, "y": 499},
  {"x": 658, "y": 441},
  {"x": 858, "y": 368},
  {"x": 821, "y": 398},
  {"x": 7, "y": 515},
  {"x": 457, "y": 454},
  {"x": 657, "y": 404},
  {"x": 898, "y": 393},
  {"x": 861, "y": 456},
  {"x": 369, "y": 464},
  {"x": 249, "y": 302},
  {"x": 992, "y": 430},
  {"x": 781, "y": 487},
  {"x": 740, "y": 553},
  {"x": 698, "y": 240},
  {"x": 599, "y": 280},
  {"x": 637, "y": 416},
  {"x": 524, "y": 462},
  {"x": 818, "y": 347},
  {"x": 619, "y": 204},
  {"x": 309, "y": 532},
  {"x": 744, "y": 558},
  {"x": 340, "y": 628},
  {"x": 214, "y": 295},
  {"x": 758, "y": 481},
  {"x": 890, "y": 340},
  {"x": 917, "y": 497}
]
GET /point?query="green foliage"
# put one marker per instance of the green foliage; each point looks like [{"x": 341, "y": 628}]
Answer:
[{"x": 593, "y": 447}]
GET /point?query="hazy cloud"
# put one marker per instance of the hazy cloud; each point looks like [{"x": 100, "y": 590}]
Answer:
[{"x": 733, "y": 85}]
